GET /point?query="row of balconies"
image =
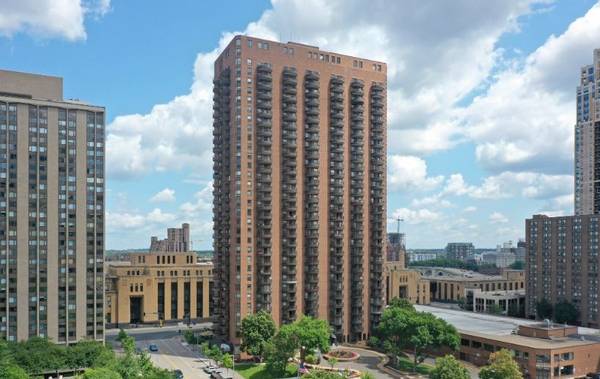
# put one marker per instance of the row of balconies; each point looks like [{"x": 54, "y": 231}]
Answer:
[
  {"x": 311, "y": 224},
  {"x": 289, "y": 90},
  {"x": 336, "y": 155}
]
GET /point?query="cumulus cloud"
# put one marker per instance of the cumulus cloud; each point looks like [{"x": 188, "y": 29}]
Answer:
[
  {"x": 410, "y": 172},
  {"x": 524, "y": 120},
  {"x": 526, "y": 184},
  {"x": 126, "y": 220},
  {"x": 436, "y": 56},
  {"x": 49, "y": 18},
  {"x": 415, "y": 216},
  {"x": 498, "y": 218},
  {"x": 202, "y": 203},
  {"x": 165, "y": 196}
]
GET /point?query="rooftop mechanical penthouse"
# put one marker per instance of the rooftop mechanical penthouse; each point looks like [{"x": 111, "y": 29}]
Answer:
[{"x": 299, "y": 186}]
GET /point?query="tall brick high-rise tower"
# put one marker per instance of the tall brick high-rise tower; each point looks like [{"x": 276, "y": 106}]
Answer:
[{"x": 299, "y": 186}]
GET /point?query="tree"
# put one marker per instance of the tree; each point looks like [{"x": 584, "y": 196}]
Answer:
[
  {"x": 332, "y": 361},
  {"x": 367, "y": 375},
  {"x": 565, "y": 313},
  {"x": 312, "y": 333},
  {"x": 227, "y": 361},
  {"x": 215, "y": 353},
  {"x": 12, "y": 371},
  {"x": 122, "y": 334},
  {"x": 401, "y": 303},
  {"x": 322, "y": 374},
  {"x": 100, "y": 373},
  {"x": 494, "y": 309},
  {"x": 516, "y": 310},
  {"x": 544, "y": 309},
  {"x": 257, "y": 330},
  {"x": 307, "y": 333},
  {"x": 88, "y": 354},
  {"x": 402, "y": 328},
  {"x": 283, "y": 347},
  {"x": 448, "y": 367},
  {"x": 517, "y": 265},
  {"x": 502, "y": 366}
]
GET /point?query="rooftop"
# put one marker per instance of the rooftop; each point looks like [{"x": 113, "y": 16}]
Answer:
[
  {"x": 502, "y": 328},
  {"x": 457, "y": 274}
]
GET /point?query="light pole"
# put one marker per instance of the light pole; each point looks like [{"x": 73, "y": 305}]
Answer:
[{"x": 399, "y": 220}]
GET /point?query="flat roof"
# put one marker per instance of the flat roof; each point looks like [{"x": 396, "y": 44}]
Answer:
[
  {"x": 456, "y": 274},
  {"x": 500, "y": 328}
]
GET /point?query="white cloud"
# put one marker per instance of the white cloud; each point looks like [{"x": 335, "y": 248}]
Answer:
[
  {"x": 434, "y": 200},
  {"x": 128, "y": 220},
  {"x": 455, "y": 185},
  {"x": 165, "y": 196},
  {"x": 470, "y": 209},
  {"x": 436, "y": 55},
  {"x": 498, "y": 218},
  {"x": 526, "y": 184},
  {"x": 202, "y": 204},
  {"x": 49, "y": 18},
  {"x": 524, "y": 121},
  {"x": 409, "y": 172},
  {"x": 415, "y": 216}
]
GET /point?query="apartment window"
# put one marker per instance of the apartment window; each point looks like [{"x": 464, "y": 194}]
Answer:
[{"x": 249, "y": 43}]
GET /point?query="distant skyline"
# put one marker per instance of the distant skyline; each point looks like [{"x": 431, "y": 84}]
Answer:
[{"x": 481, "y": 101}]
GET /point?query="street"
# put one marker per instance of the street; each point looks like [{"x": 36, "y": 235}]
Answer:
[{"x": 172, "y": 353}]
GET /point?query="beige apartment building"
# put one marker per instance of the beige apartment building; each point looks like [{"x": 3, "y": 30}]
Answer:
[
  {"x": 158, "y": 287},
  {"x": 450, "y": 284},
  {"x": 405, "y": 284},
  {"x": 299, "y": 186},
  {"x": 51, "y": 211}
]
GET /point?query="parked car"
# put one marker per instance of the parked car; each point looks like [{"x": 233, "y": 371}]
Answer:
[
  {"x": 210, "y": 369},
  {"x": 152, "y": 347},
  {"x": 216, "y": 374},
  {"x": 178, "y": 374}
]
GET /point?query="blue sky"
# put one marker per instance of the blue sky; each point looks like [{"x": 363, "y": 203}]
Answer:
[{"x": 481, "y": 100}]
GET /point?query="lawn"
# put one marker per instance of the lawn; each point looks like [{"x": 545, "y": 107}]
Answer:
[
  {"x": 406, "y": 364},
  {"x": 259, "y": 371}
]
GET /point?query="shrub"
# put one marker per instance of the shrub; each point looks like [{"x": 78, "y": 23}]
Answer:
[{"x": 311, "y": 359}]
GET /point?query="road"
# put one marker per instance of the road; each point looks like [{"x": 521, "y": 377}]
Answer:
[{"x": 172, "y": 353}]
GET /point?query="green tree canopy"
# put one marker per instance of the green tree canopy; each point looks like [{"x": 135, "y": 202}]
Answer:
[
  {"x": 227, "y": 361},
  {"x": 283, "y": 347},
  {"x": 544, "y": 309},
  {"x": 257, "y": 330},
  {"x": 306, "y": 332},
  {"x": 401, "y": 303},
  {"x": 12, "y": 371},
  {"x": 312, "y": 333},
  {"x": 502, "y": 366},
  {"x": 322, "y": 374},
  {"x": 517, "y": 265},
  {"x": 100, "y": 373},
  {"x": 565, "y": 312},
  {"x": 402, "y": 328},
  {"x": 448, "y": 367}
]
